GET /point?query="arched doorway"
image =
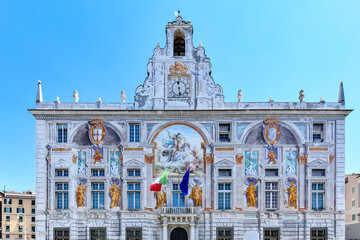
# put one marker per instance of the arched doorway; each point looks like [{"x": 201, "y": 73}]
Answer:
[{"x": 178, "y": 234}]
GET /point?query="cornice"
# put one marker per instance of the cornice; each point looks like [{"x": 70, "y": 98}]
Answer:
[{"x": 187, "y": 114}]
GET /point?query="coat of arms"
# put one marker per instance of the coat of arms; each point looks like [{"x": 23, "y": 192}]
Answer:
[
  {"x": 97, "y": 131},
  {"x": 271, "y": 130}
]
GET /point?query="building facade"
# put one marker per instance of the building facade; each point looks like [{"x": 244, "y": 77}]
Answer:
[
  {"x": 352, "y": 206},
  {"x": 18, "y": 215},
  {"x": 271, "y": 170}
]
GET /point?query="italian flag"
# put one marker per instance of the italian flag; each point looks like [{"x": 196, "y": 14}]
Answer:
[{"x": 156, "y": 186}]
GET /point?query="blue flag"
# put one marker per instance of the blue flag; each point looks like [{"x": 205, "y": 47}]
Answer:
[{"x": 184, "y": 185}]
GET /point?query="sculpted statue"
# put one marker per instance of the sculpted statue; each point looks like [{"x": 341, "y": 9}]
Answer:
[
  {"x": 272, "y": 157},
  {"x": 292, "y": 195},
  {"x": 80, "y": 195},
  {"x": 115, "y": 195},
  {"x": 196, "y": 195},
  {"x": 251, "y": 195},
  {"x": 161, "y": 198}
]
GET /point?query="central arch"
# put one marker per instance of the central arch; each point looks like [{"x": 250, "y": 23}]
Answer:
[{"x": 179, "y": 234}]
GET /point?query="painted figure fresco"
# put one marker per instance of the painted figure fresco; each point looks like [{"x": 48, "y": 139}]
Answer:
[
  {"x": 290, "y": 168},
  {"x": 81, "y": 162},
  {"x": 251, "y": 195},
  {"x": 178, "y": 148},
  {"x": 114, "y": 162},
  {"x": 115, "y": 195},
  {"x": 196, "y": 195},
  {"x": 251, "y": 162},
  {"x": 292, "y": 195},
  {"x": 80, "y": 195}
]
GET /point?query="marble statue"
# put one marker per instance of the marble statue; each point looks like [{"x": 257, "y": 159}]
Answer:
[
  {"x": 76, "y": 96},
  {"x": 115, "y": 194},
  {"x": 123, "y": 96},
  {"x": 301, "y": 95},
  {"x": 251, "y": 195},
  {"x": 196, "y": 195},
  {"x": 240, "y": 96},
  {"x": 80, "y": 195}
]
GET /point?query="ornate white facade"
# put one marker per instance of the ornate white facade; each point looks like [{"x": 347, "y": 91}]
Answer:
[{"x": 226, "y": 146}]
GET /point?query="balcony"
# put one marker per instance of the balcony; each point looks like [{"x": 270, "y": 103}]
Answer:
[{"x": 179, "y": 215}]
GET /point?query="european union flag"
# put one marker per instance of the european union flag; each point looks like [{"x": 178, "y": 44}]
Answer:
[{"x": 184, "y": 185}]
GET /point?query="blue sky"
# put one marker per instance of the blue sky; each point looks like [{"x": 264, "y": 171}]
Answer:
[{"x": 266, "y": 48}]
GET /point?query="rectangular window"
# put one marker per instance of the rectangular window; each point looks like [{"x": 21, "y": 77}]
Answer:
[
  {"x": 7, "y": 210},
  {"x": 7, "y": 201},
  {"x": 318, "y": 172},
  {"x": 353, "y": 203},
  {"x": 271, "y": 234},
  {"x": 33, "y": 219},
  {"x": 133, "y": 234},
  {"x": 97, "y": 172},
  {"x": 134, "y": 132},
  {"x": 7, "y": 229},
  {"x": 33, "y": 202},
  {"x": 61, "y": 234},
  {"x": 33, "y": 228},
  {"x": 61, "y": 133},
  {"x": 133, "y": 172},
  {"x": 62, "y": 195},
  {"x": 33, "y": 236},
  {"x": 317, "y": 196},
  {"x": 224, "y": 195},
  {"x": 318, "y": 234},
  {"x": 20, "y": 236},
  {"x": 224, "y": 234},
  {"x": 271, "y": 195},
  {"x": 20, "y": 202},
  {"x": 224, "y": 132},
  {"x": 318, "y": 132},
  {"x": 353, "y": 190},
  {"x": 98, "y": 195},
  {"x": 20, "y": 218},
  {"x": 20, "y": 210},
  {"x": 96, "y": 234},
  {"x": 20, "y": 228},
  {"x": 133, "y": 196},
  {"x": 7, "y": 236},
  {"x": 178, "y": 197},
  {"x": 353, "y": 217},
  {"x": 7, "y": 218},
  {"x": 33, "y": 211},
  {"x": 271, "y": 172},
  {"x": 61, "y": 172},
  {"x": 224, "y": 172}
]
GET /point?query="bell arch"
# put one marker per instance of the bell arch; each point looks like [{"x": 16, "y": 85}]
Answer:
[{"x": 179, "y": 43}]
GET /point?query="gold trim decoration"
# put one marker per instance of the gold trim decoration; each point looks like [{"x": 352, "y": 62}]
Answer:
[
  {"x": 303, "y": 209},
  {"x": 209, "y": 208},
  {"x": 224, "y": 149},
  {"x": 61, "y": 149},
  {"x": 121, "y": 158},
  {"x": 331, "y": 158},
  {"x": 239, "y": 159},
  {"x": 209, "y": 159},
  {"x": 269, "y": 124},
  {"x": 97, "y": 131},
  {"x": 74, "y": 158},
  {"x": 149, "y": 159},
  {"x": 149, "y": 209},
  {"x": 303, "y": 159},
  {"x": 318, "y": 149},
  {"x": 97, "y": 156},
  {"x": 133, "y": 149},
  {"x": 178, "y": 68},
  {"x": 238, "y": 208}
]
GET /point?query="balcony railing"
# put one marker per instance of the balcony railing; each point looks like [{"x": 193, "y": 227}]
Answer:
[{"x": 179, "y": 210}]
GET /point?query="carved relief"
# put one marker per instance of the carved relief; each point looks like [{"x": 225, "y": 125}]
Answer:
[
  {"x": 178, "y": 68},
  {"x": 209, "y": 159},
  {"x": 303, "y": 159},
  {"x": 97, "y": 156},
  {"x": 74, "y": 158},
  {"x": 97, "y": 131},
  {"x": 239, "y": 159},
  {"x": 271, "y": 130},
  {"x": 149, "y": 159},
  {"x": 331, "y": 158}
]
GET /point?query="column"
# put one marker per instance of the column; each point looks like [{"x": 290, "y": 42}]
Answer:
[
  {"x": 192, "y": 232},
  {"x": 165, "y": 229}
]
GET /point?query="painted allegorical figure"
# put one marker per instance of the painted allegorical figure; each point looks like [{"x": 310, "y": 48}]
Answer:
[
  {"x": 292, "y": 195},
  {"x": 196, "y": 195},
  {"x": 115, "y": 195},
  {"x": 80, "y": 195},
  {"x": 161, "y": 198},
  {"x": 251, "y": 195}
]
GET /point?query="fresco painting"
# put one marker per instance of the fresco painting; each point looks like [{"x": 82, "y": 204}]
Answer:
[{"x": 178, "y": 148}]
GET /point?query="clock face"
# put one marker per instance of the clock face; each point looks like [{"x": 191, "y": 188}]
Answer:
[{"x": 179, "y": 87}]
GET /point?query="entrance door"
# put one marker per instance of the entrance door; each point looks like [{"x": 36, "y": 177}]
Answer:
[{"x": 179, "y": 234}]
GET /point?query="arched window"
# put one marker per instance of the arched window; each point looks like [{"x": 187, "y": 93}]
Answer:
[{"x": 179, "y": 43}]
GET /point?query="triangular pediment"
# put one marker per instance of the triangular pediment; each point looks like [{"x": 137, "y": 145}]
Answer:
[
  {"x": 224, "y": 163},
  {"x": 134, "y": 163},
  {"x": 317, "y": 163}
]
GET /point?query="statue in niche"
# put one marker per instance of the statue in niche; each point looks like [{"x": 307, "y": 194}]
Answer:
[
  {"x": 97, "y": 157},
  {"x": 272, "y": 157},
  {"x": 80, "y": 195},
  {"x": 292, "y": 195},
  {"x": 115, "y": 195},
  {"x": 251, "y": 195},
  {"x": 161, "y": 198},
  {"x": 196, "y": 195}
]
